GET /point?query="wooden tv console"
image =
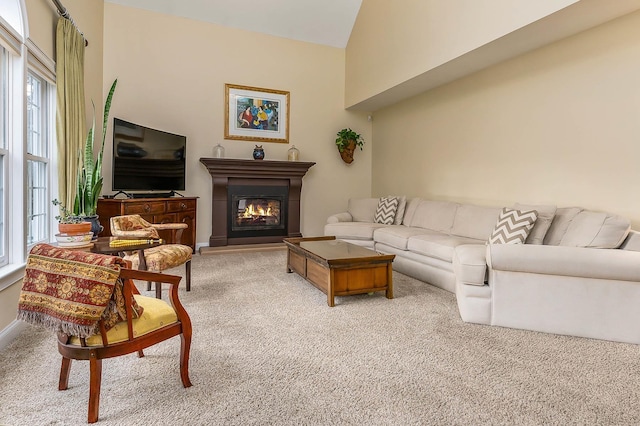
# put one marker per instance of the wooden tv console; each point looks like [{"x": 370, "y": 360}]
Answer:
[{"x": 154, "y": 210}]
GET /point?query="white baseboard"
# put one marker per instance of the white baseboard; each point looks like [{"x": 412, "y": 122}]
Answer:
[{"x": 9, "y": 333}]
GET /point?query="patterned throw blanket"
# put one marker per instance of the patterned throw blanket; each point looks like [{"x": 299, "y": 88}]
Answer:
[{"x": 69, "y": 291}]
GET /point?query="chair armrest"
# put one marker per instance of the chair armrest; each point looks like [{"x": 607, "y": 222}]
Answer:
[
  {"x": 608, "y": 264},
  {"x": 165, "y": 226},
  {"x": 340, "y": 217},
  {"x": 137, "y": 274},
  {"x": 173, "y": 280},
  {"x": 139, "y": 233},
  {"x": 175, "y": 228}
]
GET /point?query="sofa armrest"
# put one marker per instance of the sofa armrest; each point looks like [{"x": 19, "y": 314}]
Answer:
[
  {"x": 470, "y": 264},
  {"x": 609, "y": 264},
  {"x": 340, "y": 217}
]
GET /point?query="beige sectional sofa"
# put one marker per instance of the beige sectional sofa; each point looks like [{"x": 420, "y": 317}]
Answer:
[{"x": 577, "y": 274}]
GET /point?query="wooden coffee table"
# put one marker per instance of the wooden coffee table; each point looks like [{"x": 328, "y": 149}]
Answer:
[{"x": 339, "y": 268}]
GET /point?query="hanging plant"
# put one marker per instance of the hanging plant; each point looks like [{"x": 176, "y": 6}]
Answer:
[{"x": 347, "y": 140}]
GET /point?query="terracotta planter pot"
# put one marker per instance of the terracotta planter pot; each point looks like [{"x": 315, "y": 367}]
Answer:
[{"x": 74, "y": 228}]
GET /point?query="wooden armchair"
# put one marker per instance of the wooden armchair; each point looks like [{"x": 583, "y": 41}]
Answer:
[
  {"x": 91, "y": 302},
  {"x": 159, "y": 258}
]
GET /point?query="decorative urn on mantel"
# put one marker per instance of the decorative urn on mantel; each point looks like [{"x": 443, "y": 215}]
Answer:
[
  {"x": 258, "y": 153},
  {"x": 293, "y": 153},
  {"x": 218, "y": 151}
]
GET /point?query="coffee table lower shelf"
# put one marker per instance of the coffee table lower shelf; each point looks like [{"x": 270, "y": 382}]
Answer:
[{"x": 338, "y": 268}]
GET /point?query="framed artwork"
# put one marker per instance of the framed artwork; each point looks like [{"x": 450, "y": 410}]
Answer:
[{"x": 256, "y": 114}]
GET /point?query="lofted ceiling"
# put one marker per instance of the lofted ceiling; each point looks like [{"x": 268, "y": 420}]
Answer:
[{"x": 326, "y": 22}]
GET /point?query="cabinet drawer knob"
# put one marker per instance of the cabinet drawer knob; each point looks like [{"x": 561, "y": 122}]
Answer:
[
  {"x": 147, "y": 207},
  {"x": 183, "y": 206}
]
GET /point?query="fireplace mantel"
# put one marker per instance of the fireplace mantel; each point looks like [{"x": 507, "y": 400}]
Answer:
[{"x": 226, "y": 171}]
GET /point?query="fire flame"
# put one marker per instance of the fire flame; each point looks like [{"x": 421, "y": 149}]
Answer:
[{"x": 251, "y": 211}]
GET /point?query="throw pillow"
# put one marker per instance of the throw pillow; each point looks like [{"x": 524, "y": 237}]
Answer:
[
  {"x": 546, "y": 213},
  {"x": 402, "y": 205},
  {"x": 513, "y": 226},
  {"x": 386, "y": 211}
]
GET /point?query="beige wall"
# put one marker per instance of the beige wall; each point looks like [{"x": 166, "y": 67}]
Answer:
[
  {"x": 394, "y": 41},
  {"x": 558, "y": 125},
  {"x": 172, "y": 73},
  {"x": 88, "y": 16},
  {"x": 9, "y": 305}
]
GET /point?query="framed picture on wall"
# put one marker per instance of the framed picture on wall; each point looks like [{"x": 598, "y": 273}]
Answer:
[{"x": 256, "y": 114}]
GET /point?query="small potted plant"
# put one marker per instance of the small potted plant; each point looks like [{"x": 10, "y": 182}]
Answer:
[
  {"x": 69, "y": 223},
  {"x": 347, "y": 140}
]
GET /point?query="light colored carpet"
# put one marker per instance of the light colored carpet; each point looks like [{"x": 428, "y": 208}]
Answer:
[{"x": 267, "y": 350}]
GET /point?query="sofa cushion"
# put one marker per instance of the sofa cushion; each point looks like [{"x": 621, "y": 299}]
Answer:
[
  {"x": 386, "y": 210},
  {"x": 410, "y": 210},
  {"x": 513, "y": 226},
  {"x": 560, "y": 223},
  {"x": 632, "y": 242},
  {"x": 397, "y": 236},
  {"x": 475, "y": 221},
  {"x": 402, "y": 205},
  {"x": 363, "y": 209},
  {"x": 438, "y": 245},
  {"x": 434, "y": 215},
  {"x": 596, "y": 230},
  {"x": 352, "y": 230},
  {"x": 543, "y": 222}
]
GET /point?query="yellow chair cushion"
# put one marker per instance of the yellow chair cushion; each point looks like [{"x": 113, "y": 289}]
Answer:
[
  {"x": 157, "y": 314},
  {"x": 162, "y": 257}
]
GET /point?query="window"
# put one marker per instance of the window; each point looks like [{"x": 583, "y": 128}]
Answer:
[
  {"x": 38, "y": 137},
  {"x": 27, "y": 120},
  {"x": 4, "y": 137}
]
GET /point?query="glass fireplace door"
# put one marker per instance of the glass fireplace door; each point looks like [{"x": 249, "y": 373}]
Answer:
[{"x": 257, "y": 213}]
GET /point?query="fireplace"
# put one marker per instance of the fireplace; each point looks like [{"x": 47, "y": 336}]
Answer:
[
  {"x": 254, "y": 201},
  {"x": 256, "y": 211}
]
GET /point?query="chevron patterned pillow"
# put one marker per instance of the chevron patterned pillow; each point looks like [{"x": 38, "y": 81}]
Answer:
[
  {"x": 386, "y": 211},
  {"x": 513, "y": 226}
]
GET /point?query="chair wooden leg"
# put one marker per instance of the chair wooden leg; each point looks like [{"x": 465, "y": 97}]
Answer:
[
  {"x": 63, "y": 383},
  {"x": 95, "y": 379},
  {"x": 158, "y": 291},
  {"x": 185, "y": 349},
  {"x": 148, "y": 285},
  {"x": 188, "y": 274}
]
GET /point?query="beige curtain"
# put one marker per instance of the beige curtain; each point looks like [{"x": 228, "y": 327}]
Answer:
[{"x": 70, "y": 117}]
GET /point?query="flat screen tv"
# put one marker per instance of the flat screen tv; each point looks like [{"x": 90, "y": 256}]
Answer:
[{"x": 146, "y": 159}]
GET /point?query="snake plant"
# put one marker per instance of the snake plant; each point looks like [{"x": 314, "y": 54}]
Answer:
[{"x": 89, "y": 182}]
